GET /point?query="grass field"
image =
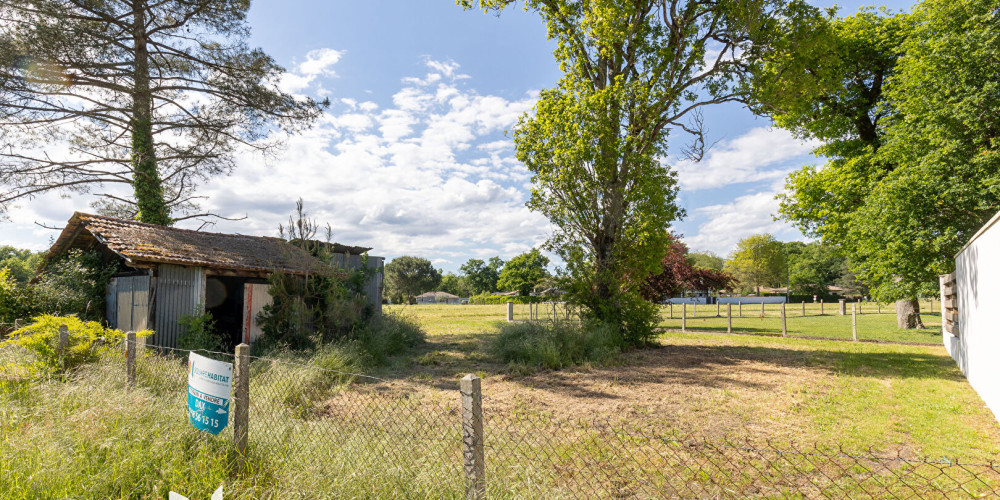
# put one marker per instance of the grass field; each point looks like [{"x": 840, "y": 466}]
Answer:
[{"x": 397, "y": 436}]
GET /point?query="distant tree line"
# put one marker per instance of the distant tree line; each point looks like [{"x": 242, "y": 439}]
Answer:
[{"x": 409, "y": 276}]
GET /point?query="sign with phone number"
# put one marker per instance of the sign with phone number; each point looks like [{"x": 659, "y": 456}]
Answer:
[{"x": 209, "y": 386}]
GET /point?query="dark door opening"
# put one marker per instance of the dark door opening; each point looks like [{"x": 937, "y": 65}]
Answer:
[{"x": 224, "y": 301}]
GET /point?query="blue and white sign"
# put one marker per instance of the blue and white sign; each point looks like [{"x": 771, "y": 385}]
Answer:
[{"x": 209, "y": 384}]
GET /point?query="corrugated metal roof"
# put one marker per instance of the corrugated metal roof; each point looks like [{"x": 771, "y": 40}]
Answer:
[{"x": 148, "y": 243}]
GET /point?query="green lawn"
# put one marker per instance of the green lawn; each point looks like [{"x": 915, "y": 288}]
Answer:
[{"x": 584, "y": 430}]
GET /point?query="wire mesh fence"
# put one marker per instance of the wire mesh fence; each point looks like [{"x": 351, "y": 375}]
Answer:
[{"x": 317, "y": 432}]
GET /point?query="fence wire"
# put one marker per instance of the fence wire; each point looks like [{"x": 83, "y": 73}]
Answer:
[{"x": 316, "y": 432}]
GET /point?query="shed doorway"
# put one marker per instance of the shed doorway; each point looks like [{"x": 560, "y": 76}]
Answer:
[{"x": 224, "y": 301}]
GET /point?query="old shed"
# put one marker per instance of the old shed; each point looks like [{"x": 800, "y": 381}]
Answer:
[{"x": 168, "y": 272}]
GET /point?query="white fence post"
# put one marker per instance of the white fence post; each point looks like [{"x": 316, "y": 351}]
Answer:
[
  {"x": 729, "y": 318},
  {"x": 472, "y": 437},
  {"x": 854, "y": 324},
  {"x": 510, "y": 312},
  {"x": 784, "y": 323}
]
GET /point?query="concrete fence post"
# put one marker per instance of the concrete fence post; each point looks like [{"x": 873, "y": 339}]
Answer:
[
  {"x": 729, "y": 318},
  {"x": 130, "y": 350},
  {"x": 472, "y": 437},
  {"x": 63, "y": 344},
  {"x": 842, "y": 305},
  {"x": 241, "y": 404},
  {"x": 854, "y": 324},
  {"x": 784, "y": 323},
  {"x": 684, "y": 317},
  {"x": 510, "y": 312}
]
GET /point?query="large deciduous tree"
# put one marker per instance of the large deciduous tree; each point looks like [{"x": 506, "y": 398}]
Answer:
[
  {"x": 523, "y": 272},
  {"x": 632, "y": 72},
  {"x": 153, "y": 95},
  {"x": 758, "y": 260},
  {"x": 907, "y": 108},
  {"x": 482, "y": 277}
]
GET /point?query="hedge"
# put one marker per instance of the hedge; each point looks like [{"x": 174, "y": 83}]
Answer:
[{"x": 503, "y": 299}]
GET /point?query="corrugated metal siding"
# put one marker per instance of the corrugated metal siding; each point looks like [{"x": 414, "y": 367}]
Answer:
[
  {"x": 373, "y": 290},
  {"x": 255, "y": 297},
  {"x": 180, "y": 290},
  {"x": 111, "y": 303},
  {"x": 128, "y": 303}
]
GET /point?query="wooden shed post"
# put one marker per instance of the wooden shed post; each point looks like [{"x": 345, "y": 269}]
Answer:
[
  {"x": 130, "y": 350},
  {"x": 472, "y": 437},
  {"x": 510, "y": 312},
  {"x": 241, "y": 404}
]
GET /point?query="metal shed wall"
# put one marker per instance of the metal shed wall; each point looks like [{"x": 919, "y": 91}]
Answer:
[
  {"x": 128, "y": 309},
  {"x": 374, "y": 287},
  {"x": 255, "y": 297},
  {"x": 180, "y": 290}
]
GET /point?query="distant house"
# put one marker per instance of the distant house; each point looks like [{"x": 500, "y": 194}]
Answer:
[
  {"x": 168, "y": 272},
  {"x": 438, "y": 298}
]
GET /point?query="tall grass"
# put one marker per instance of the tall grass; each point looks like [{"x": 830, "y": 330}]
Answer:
[{"x": 554, "y": 346}]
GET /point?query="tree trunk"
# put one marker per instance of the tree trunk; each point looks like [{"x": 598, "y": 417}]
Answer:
[
  {"x": 908, "y": 314},
  {"x": 146, "y": 182}
]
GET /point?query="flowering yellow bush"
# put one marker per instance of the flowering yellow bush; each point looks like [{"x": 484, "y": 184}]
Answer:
[{"x": 87, "y": 340}]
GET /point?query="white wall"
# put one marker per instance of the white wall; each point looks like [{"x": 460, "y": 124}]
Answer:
[
  {"x": 752, "y": 300},
  {"x": 976, "y": 348}
]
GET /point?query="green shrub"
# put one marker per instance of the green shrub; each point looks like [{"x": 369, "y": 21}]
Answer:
[
  {"x": 555, "y": 346},
  {"x": 87, "y": 340},
  {"x": 74, "y": 284},
  {"x": 389, "y": 335},
  {"x": 503, "y": 299},
  {"x": 199, "y": 333},
  {"x": 15, "y": 298}
]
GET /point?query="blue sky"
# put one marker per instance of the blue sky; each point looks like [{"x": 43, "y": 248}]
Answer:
[{"x": 413, "y": 156}]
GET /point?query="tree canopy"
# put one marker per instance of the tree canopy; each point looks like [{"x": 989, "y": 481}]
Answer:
[
  {"x": 759, "y": 260},
  {"x": 481, "y": 277},
  {"x": 632, "y": 72},
  {"x": 523, "y": 272},
  {"x": 408, "y": 276},
  {"x": 680, "y": 274},
  {"x": 155, "y": 96}
]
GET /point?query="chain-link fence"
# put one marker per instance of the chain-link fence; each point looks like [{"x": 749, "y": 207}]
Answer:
[{"x": 318, "y": 432}]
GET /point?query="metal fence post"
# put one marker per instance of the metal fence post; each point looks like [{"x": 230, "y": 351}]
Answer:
[
  {"x": 510, "y": 312},
  {"x": 784, "y": 323},
  {"x": 854, "y": 324},
  {"x": 729, "y": 318},
  {"x": 130, "y": 348},
  {"x": 684, "y": 317},
  {"x": 63, "y": 345},
  {"x": 472, "y": 437},
  {"x": 241, "y": 403}
]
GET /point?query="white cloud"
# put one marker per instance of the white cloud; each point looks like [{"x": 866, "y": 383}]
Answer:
[
  {"x": 760, "y": 154},
  {"x": 318, "y": 62},
  {"x": 727, "y": 223}
]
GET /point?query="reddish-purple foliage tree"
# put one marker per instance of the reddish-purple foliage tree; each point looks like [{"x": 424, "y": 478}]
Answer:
[{"x": 679, "y": 275}]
